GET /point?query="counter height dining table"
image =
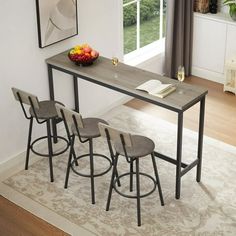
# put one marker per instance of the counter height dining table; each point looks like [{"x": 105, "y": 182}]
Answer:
[{"x": 124, "y": 79}]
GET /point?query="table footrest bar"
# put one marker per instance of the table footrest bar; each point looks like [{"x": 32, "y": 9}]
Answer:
[
  {"x": 169, "y": 159},
  {"x": 189, "y": 167}
]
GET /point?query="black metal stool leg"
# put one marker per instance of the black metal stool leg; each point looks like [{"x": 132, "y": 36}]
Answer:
[
  {"x": 114, "y": 172},
  {"x": 118, "y": 180},
  {"x": 70, "y": 143},
  {"x": 157, "y": 179},
  {"x": 28, "y": 145},
  {"x": 50, "y": 151},
  {"x": 74, "y": 156},
  {"x": 131, "y": 175},
  {"x": 92, "y": 170},
  {"x": 69, "y": 161},
  {"x": 117, "y": 175},
  {"x": 138, "y": 192},
  {"x": 54, "y": 130}
]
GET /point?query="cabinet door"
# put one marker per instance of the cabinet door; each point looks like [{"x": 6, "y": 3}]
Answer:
[
  {"x": 209, "y": 40},
  {"x": 231, "y": 42}
]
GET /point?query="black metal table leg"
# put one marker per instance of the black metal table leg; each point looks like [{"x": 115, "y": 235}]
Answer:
[
  {"x": 51, "y": 93},
  {"x": 138, "y": 192},
  {"x": 76, "y": 93},
  {"x": 200, "y": 138},
  {"x": 179, "y": 155},
  {"x": 29, "y": 144},
  {"x": 50, "y": 150},
  {"x": 131, "y": 176},
  {"x": 50, "y": 80},
  {"x": 92, "y": 170}
]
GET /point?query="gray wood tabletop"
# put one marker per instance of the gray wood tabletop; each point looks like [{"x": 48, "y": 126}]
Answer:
[{"x": 125, "y": 79}]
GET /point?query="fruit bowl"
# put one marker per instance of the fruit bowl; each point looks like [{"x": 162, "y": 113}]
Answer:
[{"x": 83, "y": 55}]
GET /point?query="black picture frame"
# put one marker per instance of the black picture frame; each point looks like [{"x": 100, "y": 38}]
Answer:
[{"x": 57, "y": 20}]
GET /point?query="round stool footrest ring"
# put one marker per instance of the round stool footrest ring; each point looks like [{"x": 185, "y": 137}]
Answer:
[
  {"x": 88, "y": 175},
  {"x": 132, "y": 196},
  {"x": 54, "y": 153}
]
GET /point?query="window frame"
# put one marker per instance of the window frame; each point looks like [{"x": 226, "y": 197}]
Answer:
[{"x": 138, "y": 23}]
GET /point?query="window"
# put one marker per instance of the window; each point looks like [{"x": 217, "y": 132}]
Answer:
[{"x": 144, "y": 23}]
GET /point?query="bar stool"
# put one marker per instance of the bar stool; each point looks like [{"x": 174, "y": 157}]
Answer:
[
  {"x": 42, "y": 112},
  {"x": 132, "y": 147},
  {"x": 86, "y": 130}
]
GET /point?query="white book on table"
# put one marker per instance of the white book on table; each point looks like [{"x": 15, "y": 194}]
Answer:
[{"x": 156, "y": 88}]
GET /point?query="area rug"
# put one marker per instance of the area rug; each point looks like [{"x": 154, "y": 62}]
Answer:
[{"x": 206, "y": 208}]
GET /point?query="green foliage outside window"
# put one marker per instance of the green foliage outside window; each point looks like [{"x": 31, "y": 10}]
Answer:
[
  {"x": 148, "y": 10},
  {"x": 149, "y": 23}
]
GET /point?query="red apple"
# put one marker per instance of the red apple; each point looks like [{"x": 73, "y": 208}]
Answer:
[
  {"x": 87, "y": 49},
  {"x": 94, "y": 53}
]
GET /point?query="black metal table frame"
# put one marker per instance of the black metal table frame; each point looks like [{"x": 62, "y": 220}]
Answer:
[{"x": 178, "y": 161}]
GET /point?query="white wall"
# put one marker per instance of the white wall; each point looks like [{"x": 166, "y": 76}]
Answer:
[
  {"x": 22, "y": 64},
  {"x": 222, "y": 7},
  {"x": 154, "y": 64}
]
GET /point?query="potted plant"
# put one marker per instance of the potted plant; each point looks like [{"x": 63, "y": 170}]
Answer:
[{"x": 232, "y": 8}]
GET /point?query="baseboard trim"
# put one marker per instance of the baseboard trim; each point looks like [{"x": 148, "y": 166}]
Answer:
[
  {"x": 17, "y": 163},
  {"x": 209, "y": 75}
]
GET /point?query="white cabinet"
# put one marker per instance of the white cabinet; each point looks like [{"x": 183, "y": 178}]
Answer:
[
  {"x": 213, "y": 43},
  {"x": 230, "y": 76},
  {"x": 231, "y": 42}
]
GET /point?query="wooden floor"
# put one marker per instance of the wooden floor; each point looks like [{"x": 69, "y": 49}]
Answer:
[
  {"x": 220, "y": 116},
  {"x": 15, "y": 221}
]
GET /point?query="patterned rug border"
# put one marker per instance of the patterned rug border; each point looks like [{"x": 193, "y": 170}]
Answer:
[{"x": 86, "y": 229}]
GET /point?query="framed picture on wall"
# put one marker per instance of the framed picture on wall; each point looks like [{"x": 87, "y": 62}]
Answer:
[{"x": 57, "y": 20}]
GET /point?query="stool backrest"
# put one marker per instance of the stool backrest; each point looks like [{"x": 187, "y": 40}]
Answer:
[
  {"x": 69, "y": 117},
  {"x": 115, "y": 135},
  {"x": 26, "y": 98}
]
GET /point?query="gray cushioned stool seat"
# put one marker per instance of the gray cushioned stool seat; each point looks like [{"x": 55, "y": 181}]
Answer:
[
  {"x": 142, "y": 146},
  {"x": 46, "y": 110},
  {"x": 90, "y": 129}
]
